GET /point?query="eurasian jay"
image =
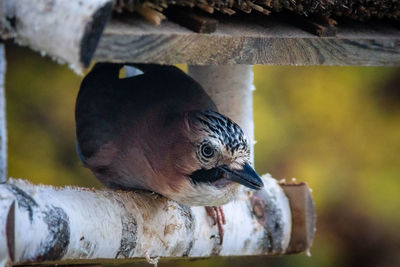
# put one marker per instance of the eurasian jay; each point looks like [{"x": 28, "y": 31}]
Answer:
[{"x": 159, "y": 131}]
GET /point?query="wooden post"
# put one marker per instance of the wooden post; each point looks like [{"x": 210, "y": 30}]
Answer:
[{"x": 3, "y": 128}]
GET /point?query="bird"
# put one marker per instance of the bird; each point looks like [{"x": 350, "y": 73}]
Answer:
[{"x": 159, "y": 131}]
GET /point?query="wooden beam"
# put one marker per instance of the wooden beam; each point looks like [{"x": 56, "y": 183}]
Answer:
[
  {"x": 3, "y": 119},
  {"x": 245, "y": 40}
]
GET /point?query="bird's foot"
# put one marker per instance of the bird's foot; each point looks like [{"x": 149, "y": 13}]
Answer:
[{"x": 217, "y": 214}]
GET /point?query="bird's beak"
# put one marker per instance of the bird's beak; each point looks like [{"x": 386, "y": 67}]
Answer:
[{"x": 247, "y": 177}]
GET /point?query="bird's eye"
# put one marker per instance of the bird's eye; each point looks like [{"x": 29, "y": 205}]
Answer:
[{"x": 207, "y": 151}]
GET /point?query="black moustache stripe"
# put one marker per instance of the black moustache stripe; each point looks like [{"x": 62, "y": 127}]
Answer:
[{"x": 207, "y": 176}]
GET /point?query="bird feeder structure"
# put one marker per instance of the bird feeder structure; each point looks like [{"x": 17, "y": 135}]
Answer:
[{"x": 219, "y": 40}]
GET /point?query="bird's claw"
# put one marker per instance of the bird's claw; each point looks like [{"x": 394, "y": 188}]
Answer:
[{"x": 218, "y": 216}]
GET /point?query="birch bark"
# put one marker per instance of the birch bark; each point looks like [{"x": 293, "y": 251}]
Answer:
[
  {"x": 67, "y": 31},
  {"x": 44, "y": 223},
  {"x": 3, "y": 119}
]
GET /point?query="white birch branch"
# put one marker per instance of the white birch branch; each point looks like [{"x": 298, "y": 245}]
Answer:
[
  {"x": 65, "y": 30},
  {"x": 44, "y": 223},
  {"x": 3, "y": 124}
]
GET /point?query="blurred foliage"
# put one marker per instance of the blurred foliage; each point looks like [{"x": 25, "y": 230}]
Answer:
[
  {"x": 40, "y": 120},
  {"x": 337, "y": 128}
]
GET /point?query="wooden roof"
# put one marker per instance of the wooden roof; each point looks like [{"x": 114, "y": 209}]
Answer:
[
  {"x": 72, "y": 32},
  {"x": 240, "y": 41}
]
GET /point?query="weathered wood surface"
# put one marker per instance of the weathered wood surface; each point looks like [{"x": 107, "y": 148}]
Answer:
[
  {"x": 3, "y": 119},
  {"x": 68, "y": 31},
  {"x": 238, "y": 40},
  {"x": 43, "y": 223}
]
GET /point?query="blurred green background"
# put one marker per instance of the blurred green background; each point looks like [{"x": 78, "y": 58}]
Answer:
[{"x": 337, "y": 128}]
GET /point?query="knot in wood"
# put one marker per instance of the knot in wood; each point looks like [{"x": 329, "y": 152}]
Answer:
[{"x": 259, "y": 208}]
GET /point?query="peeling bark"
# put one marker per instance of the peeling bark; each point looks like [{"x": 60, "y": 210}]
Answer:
[{"x": 71, "y": 223}]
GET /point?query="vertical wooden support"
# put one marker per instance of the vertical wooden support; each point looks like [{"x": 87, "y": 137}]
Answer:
[
  {"x": 3, "y": 132},
  {"x": 231, "y": 87},
  {"x": 6, "y": 206}
]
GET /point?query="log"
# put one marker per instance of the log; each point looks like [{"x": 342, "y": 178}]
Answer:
[
  {"x": 67, "y": 31},
  {"x": 46, "y": 224},
  {"x": 3, "y": 127},
  {"x": 240, "y": 40}
]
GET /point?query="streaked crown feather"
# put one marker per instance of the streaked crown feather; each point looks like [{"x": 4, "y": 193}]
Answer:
[{"x": 221, "y": 127}]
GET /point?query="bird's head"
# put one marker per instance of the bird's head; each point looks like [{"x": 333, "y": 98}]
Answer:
[{"x": 216, "y": 160}]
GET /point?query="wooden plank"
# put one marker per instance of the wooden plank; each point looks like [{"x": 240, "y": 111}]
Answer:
[
  {"x": 244, "y": 40},
  {"x": 3, "y": 129}
]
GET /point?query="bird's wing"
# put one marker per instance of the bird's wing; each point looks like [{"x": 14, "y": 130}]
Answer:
[
  {"x": 94, "y": 110},
  {"x": 117, "y": 116}
]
